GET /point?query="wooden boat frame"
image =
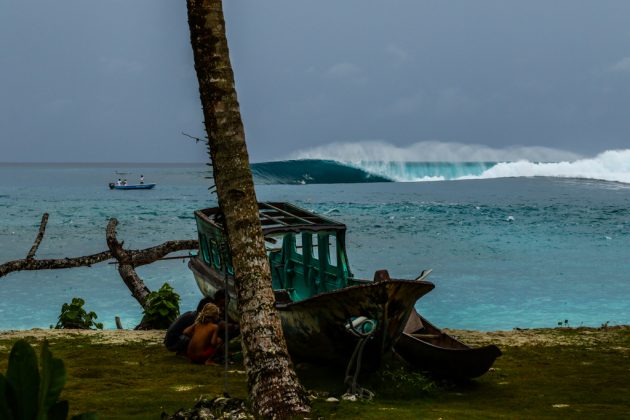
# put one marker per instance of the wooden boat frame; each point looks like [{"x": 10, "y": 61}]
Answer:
[
  {"x": 325, "y": 297},
  {"x": 317, "y": 296}
]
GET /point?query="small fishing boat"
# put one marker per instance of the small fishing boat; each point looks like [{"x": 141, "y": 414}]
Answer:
[
  {"x": 113, "y": 186},
  {"x": 427, "y": 348},
  {"x": 324, "y": 309}
]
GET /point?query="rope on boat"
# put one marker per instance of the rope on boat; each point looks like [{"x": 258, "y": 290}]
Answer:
[
  {"x": 362, "y": 328},
  {"x": 223, "y": 251},
  {"x": 225, "y": 343}
]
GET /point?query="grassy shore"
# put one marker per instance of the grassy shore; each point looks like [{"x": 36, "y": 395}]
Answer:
[{"x": 543, "y": 373}]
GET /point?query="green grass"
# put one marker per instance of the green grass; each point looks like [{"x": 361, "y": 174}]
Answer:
[
  {"x": 135, "y": 380},
  {"x": 584, "y": 380}
]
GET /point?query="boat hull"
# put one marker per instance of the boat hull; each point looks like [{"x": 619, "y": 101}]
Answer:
[
  {"x": 427, "y": 348},
  {"x": 132, "y": 187},
  {"x": 315, "y": 328}
]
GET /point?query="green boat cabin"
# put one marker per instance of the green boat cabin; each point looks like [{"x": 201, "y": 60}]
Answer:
[{"x": 307, "y": 252}]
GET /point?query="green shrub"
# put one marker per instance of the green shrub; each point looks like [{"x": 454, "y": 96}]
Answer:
[
  {"x": 29, "y": 393},
  {"x": 73, "y": 316},
  {"x": 162, "y": 308},
  {"x": 397, "y": 382}
]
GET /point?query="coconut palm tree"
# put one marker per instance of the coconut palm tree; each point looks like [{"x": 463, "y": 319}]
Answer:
[{"x": 274, "y": 388}]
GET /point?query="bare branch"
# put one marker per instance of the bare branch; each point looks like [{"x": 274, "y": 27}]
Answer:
[
  {"x": 38, "y": 239},
  {"x": 132, "y": 258},
  {"x": 53, "y": 264},
  {"x": 129, "y": 259},
  {"x": 125, "y": 265},
  {"x": 197, "y": 139},
  {"x": 149, "y": 255}
]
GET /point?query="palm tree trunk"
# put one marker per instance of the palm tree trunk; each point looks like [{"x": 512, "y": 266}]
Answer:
[{"x": 274, "y": 387}]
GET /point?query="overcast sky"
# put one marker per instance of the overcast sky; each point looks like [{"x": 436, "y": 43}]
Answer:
[{"x": 113, "y": 80}]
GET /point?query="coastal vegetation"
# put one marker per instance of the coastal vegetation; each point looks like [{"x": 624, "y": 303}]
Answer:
[
  {"x": 543, "y": 373},
  {"x": 30, "y": 389},
  {"x": 74, "y": 316},
  {"x": 159, "y": 308},
  {"x": 162, "y": 308}
]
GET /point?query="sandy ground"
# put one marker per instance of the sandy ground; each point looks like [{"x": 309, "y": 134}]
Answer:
[
  {"x": 544, "y": 337},
  {"x": 540, "y": 336},
  {"x": 152, "y": 337}
]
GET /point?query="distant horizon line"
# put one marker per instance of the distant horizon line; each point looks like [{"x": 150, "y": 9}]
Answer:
[{"x": 104, "y": 163}]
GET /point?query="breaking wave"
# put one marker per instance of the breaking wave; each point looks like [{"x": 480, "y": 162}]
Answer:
[
  {"x": 613, "y": 165},
  {"x": 313, "y": 171}
]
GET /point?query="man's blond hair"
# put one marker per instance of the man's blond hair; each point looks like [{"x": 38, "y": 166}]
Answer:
[{"x": 210, "y": 312}]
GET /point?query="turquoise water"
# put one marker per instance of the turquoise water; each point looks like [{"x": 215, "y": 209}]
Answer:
[
  {"x": 610, "y": 165},
  {"x": 506, "y": 252}
]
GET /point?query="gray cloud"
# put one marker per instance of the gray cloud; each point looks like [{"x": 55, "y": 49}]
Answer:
[
  {"x": 121, "y": 65},
  {"x": 347, "y": 71},
  {"x": 95, "y": 78},
  {"x": 400, "y": 54},
  {"x": 622, "y": 65}
]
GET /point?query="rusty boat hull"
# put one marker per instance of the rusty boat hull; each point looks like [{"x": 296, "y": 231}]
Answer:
[{"x": 315, "y": 328}]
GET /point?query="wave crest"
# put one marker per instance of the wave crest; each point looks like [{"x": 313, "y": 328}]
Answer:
[
  {"x": 612, "y": 165},
  {"x": 431, "y": 151}
]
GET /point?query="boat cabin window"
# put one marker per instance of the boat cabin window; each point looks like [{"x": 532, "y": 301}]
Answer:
[
  {"x": 273, "y": 243},
  {"x": 216, "y": 257},
  {"x": 203, "y": 244},
  {"x": 332, "y": 251},
  {"x": 299, "y": 246},
  {"x": 314, "y": 247}
]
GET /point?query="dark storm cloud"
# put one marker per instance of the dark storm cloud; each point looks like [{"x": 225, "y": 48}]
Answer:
[{"x": 113, "y": 81}]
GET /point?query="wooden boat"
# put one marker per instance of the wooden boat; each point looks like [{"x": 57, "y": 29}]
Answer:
[
  {"x": 113, "y": 186},
  {"x": 317, "y": 296},
  {"x": 425, "y": 347}
]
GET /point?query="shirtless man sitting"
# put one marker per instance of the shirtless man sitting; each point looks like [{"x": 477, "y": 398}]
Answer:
[
  {"x": 204, "y": 336},
  {"x": 175, "y": 340}
]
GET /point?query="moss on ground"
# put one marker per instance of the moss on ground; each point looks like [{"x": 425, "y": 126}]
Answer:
[
  {"x": 132, "y": 380},
  {"x": 586, "y": 378}
]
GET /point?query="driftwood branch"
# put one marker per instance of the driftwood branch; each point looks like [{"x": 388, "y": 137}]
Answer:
[
  {"x": 125, "y": 265},
  {"x": 53, "y": 264},
  {"x": 149, "y": 255},
  {"x": 127, "y": 260},
  {"x": 38, "y": 239},
  {"x": 133, "y": 258}
]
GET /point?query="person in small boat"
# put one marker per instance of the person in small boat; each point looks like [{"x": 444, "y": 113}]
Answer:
[
  {"x": 141, "y": 179},
  {"x": 119, "y": 182},
  {"x": 204, "y": 335},
  {"x": 124, "y": 182},
  {"x": 175, "y": 340}
]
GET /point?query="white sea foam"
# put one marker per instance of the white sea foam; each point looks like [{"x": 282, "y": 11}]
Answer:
[
  {"x": 612, "y": 165},
  {"x": 398, "y": 163},
  {"x": 431, "y": 151}
]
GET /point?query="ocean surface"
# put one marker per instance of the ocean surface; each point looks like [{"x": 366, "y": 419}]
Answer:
[{"x": 520, "y": 244}]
